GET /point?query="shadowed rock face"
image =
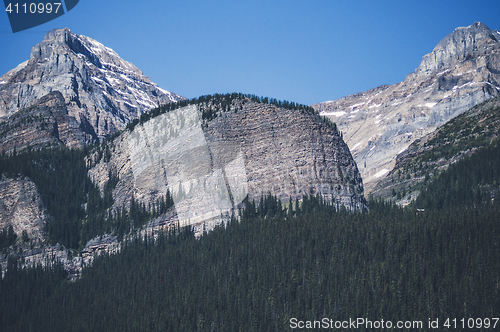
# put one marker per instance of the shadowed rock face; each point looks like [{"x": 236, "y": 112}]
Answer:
[
  {"x": 210, "y": 166},
  {"x": 43, "y": 124},
  {"x": 22, "y": 208},
  {"x": 101, "y": 91},
  {"x": 463, "y": 70}
]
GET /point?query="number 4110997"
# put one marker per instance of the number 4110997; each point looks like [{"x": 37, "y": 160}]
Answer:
[
  {"x": 471, "y": 323},
  {"x": 33, "y": 8}
]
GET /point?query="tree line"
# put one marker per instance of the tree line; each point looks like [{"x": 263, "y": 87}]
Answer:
[{"x": 224, "y": 102}]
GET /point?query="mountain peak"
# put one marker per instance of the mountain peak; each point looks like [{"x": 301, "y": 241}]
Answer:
[
  {"x": 52, "y": 41},
  {"x": 63, "y": 41},
  {"x": 457, "y": 46},
  {"x": 476, "y": 27},
  {"x": 469, "y": 38},
  {"x": 102, "y": 91}
]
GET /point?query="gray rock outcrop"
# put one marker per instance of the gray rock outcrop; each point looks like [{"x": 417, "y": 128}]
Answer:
[
  {"x": 45, "y": 123},
  {"x": 210, "y": 166},
  {"x": 22, "y": 208},
  {"x": 464, "y": 43}
]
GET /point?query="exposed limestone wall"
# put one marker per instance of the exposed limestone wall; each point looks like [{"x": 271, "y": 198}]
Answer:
[{"x": 210, "y": 166}]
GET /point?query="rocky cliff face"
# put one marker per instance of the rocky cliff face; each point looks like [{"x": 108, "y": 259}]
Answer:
[
  {"x": 463, "y": 70},
  {"x": 464, "y": 43},
  {"x": 210, "y": 166},
  {"x": 101, "y": 91},
  {"x": 43, "y": 124},
  {"x": 208, "y": 163},
  {"x": 22, "y": 208}
]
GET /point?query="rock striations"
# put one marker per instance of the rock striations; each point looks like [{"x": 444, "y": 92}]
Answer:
[
  {"x": 101, "y": 91},
  {"x": 211, "y": 165},
  {"x": 22, "y": 208},
  {"x": 44, "y": 124},
  {"x": 463, "y": 70}
]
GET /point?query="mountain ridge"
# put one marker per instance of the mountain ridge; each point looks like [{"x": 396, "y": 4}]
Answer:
[
  {"x": 209, "y": 156},
  {"x": 456, "y": 46},
  {"x": 463, "y": 70}
]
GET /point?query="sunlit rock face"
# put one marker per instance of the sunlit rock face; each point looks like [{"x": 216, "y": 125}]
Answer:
[
  {"x": 210, "y": 166},
  {"x": 170, "y": 152},
  {"x": 463, "y": 70},
  {"x": 102, "y": 92}
]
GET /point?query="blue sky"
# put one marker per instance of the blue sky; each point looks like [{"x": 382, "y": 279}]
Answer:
[{"x": 302, "y": 51}]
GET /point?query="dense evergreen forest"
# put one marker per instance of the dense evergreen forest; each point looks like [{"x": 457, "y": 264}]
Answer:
[
  {"x": 302, "y": 260},
  {"x": 307, "y": 263},
  {"x": 474, "y": 181}
]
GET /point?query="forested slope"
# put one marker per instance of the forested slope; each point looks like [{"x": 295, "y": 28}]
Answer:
[
  {"x": 458, "y": 138},
  {"x": 308, "y": 262}
]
